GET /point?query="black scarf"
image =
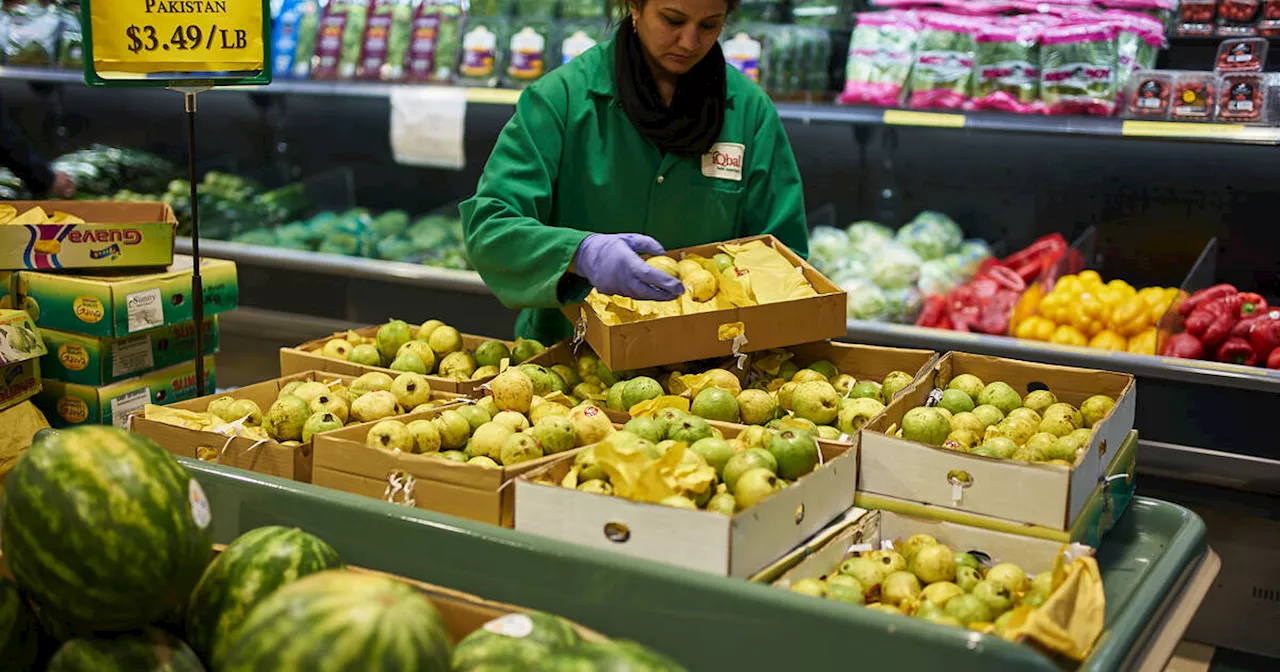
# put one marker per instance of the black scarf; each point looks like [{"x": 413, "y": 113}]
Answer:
[{"x": 693, "y": 122}]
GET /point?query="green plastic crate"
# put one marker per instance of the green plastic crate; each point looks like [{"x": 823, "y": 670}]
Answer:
[{"x": 704, "y": 621}]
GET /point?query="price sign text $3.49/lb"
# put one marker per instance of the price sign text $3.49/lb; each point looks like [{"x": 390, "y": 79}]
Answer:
[
  {"x": 157, "y": 36},
  {"x": 144, "y": 38}
]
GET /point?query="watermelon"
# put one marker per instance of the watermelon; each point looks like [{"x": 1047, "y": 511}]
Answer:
[
  {"x": 19, "y": 634},
  {"x": 342, "y": 620},
  {"x": 146, "y": 650},
  {"x": 103, "y": 529},
  {"x": 606, "y": 657},
  {"x": 250, "y": 569},
  {"x": 514, "y": 641}
]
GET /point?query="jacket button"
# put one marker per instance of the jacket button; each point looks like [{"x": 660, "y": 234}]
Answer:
[{"x": 660, "y": 179}]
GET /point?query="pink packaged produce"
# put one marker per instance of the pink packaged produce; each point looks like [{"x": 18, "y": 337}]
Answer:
[
  {"x": 943, "y": 69},
  {"x": 1006, "y": 73},
  {"x": 881, "y": 51},
  {"x": 1078, "y": 68}
]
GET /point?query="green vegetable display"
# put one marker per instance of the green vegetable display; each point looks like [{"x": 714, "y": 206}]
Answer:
[
  {"x": 881, "y": 51},
  {"x": 1006, "y": 70},
  {"x": 1078, "y": 69},
  {"x": 944, "y": 61}
]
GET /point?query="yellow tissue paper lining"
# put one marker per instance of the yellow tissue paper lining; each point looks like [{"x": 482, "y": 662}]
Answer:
[{"x": 1071, "y": 620}]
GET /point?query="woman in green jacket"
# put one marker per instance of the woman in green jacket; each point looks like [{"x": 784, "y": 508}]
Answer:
[{"x": 644, "y": 141}]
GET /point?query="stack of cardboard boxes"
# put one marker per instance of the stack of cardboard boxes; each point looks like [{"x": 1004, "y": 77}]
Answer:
[{"x": 112, "y": 304}]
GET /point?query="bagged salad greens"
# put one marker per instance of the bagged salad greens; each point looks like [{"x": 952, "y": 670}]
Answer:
[
  {"x": 1006, "y": 71},
  {"x": 881, "y": 50},
  {"x": 293, "y": 38},
  {"x": 70, "y": 45},
  {"x": 943, "y": 66},
  {"x": 385, "y": 41},
  {"x": 1138, "y": 42},
  {"x": 33, "y": 35},
  {"x": 339, "y": 42},
  {"x": 1164, "y": 11},
  {"x": 433, "y": 41},
  {"x": 1078, "y": 69}
]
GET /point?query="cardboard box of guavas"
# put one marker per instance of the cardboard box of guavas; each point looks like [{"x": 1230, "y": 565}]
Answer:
[
  {"x": 20, "y": 350},
  {"x": 741, "y": 295},
  {"x": 71, "y": 404},
  {"x": 1016, "y": 440},
  {"x": 51, "y": 235}
]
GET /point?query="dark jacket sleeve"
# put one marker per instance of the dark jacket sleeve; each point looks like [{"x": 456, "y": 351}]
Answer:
[{"x": 17, "y": 154}]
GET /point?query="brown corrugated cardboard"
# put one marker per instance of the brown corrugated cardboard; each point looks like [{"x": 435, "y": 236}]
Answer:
[{"x": 115, "y": 235}]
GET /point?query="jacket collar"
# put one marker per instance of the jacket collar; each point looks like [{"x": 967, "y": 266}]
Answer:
[{"x": 602, "y": 83}]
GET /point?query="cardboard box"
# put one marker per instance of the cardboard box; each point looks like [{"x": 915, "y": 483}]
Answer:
[
  {"x": 307, "y": 357},
  {"x": 737, "y": 546},
  {"x": 115, "y": 235},
  {"x": 344, "y": 462},
  {"x": 1038, "y": 494},
  {"x": 90, "y": 360},
  {"x": 1104, "y": 507},
  {"x": 18, "y": 426},
  {"x": 271, "y": 458},
  {"x": 69, "y": 404},
  {"x": 685, "y": 338},
  {"x": 117, "y": 305},
  {"x": 20, "y": 350}
]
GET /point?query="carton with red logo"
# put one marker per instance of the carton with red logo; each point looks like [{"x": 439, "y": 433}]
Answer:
[
  {"x": 56, "y": 235},
  {"x": 91, "y": 360},
  {"x": 20, "y": 351},
  {"x": 69, "y": 404}
]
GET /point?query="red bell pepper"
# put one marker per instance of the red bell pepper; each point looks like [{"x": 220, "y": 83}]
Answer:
[
  {"x": 1242, "y": 328},
  {"x": 1199, "y": 298},
  {"x": 1184, "y": 346},
  {"x": 1237, "y": 351},
  {"x": 1264, "y": 334},
  {"x": 933, "y": 311},
  {"x": 1273, "y": 360},
  {"x": 1250, "y": 304},
  {"x": 1212, "y": 321}
]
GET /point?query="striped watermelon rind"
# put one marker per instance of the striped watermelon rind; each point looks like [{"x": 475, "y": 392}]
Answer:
[
  {"x": 19, "y": 632},
  {"x": 146, "y": 650},
  {"x": 103, "y": 529},
  {"x": 342, "y": 620},
  {"x": 520, "y": 639},
  {"x": 252, "y": 567}
]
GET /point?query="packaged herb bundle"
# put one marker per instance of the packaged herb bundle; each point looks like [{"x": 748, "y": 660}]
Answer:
[
  {"x": 385, "y": 41},
  {"x": 1078, "y": 69},
  {"x": 338, "y": 45},
  {"x": 433, "y": 42},
  {"x": 484, "y": 49},
  {"x": 943, "y": 68},
  {"x": 33, "y": 35},
  {"x": 293, "y": 38},
  {"x": 1164, "y": 11},
  {"x": 881, "y": 50},
  {"x": 1138, "y": 42},
  {"x": 529, "y": 50},
  {"x": 1006, "y": 70}
]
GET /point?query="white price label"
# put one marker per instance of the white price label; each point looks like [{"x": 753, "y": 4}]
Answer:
[
  {"x": 127, "y": 404},
  {"x": 131, "y": 354},
  {"x": 145, "y": 309}
]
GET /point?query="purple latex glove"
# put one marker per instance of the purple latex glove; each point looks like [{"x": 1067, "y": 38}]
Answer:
[{"x": 611, "y": 263}]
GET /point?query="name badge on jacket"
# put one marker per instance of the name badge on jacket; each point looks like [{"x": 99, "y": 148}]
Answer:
[{"x": 724, "y": 161}]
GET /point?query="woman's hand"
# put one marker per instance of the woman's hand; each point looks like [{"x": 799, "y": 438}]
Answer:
[{"x": 611, "y": 263}]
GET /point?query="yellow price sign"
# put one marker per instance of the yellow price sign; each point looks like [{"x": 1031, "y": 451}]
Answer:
[{"x": 132, "y": 39}]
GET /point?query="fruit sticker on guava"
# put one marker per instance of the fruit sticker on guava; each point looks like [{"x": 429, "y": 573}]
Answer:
[{"x": 200, "y": 513}]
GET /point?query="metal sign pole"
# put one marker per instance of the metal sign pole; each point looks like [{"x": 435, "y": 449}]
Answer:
[{"x": 197, "y": 287}]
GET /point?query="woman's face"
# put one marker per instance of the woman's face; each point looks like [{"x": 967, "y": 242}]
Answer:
[{"x": 677, "y": 34}]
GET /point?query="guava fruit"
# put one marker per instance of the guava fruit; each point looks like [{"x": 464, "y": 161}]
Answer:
[
  {"x": 678, "y": 502},
  {"x": 724, "y": 380},
  {"x": 426, "y": 328},
  {"x": 1002, "y": 446},
  {"x": 961, "y": 439},
  {"x": 1065, "y": 448},
  {"x": 701, "y": 285},
  {"x": 1040, "y": 440},
  {"x": 825, "y": 367},
  {"x": 613, "y": 398},
  {"x": 336, "y": 348},
  {"x": 331, "y": 403},
  {"x": 884, "y": 608},
  {"x": 486, "y": 462},
  {"x": 867, "y": 389},
  {"x": 899, "y": 588},
  {"x": 221, "y": 408},
  {"x": 290, "y": 387},
  {"x": 1042, "y": 583},
  {"x": 457, "y": 365},
  {"x": 569, "y": 375},
  {"x": 828, "y": 433},
  {"x": 956, "y": 401},
  {"x": 967, "y": 420},
  {"x": 810, "y": 587},
  {"x": 390, "y": 337},
  {"x": 365, "y": 354},
  {"x": 755, "y": 485},
  {"x": 844, "y": 384},
  {"x": 512, "y": 391},
  {"x": 1008, "y": 575},
  {"x": 934, "y": 563},
  {"x": 454, "y": 429},
  {"x": 475, "y": 415},
  {"x": 555, "y": 434},
  {"x": 723, "y": 503},
  {"x": 857, "y": 413},
  {"x": 369, "y": 382},
  {"x": 516, "y": 421},
  {"x": 519, "y": 448},
  {"x": 755, "y": 437},
  {"x": 426, "y": 437},
  {"x": 914, "y": 543},
  {"x": 796, "y": 453},
  {"x": 893, "y": 383},
  {"x": 723, "y": 261},
  {"x": 541, "y": 378},
  {"x": 411, "y": 389},
  {"x": 714, "y": 403},
  {"x": 1026, "y": 415},
  {"x": 809, "y": 376},
  {"x": 1066, "y": 410},
  {"x": 926, "y": 610},
  {"x": 1029, "y": 454},
  {"x": 665, "y": 264},
  {"x": 1033, "y": 600},
  {"x": 715, "y": 451},
  {"x": 967, "y": 577},
  {"x": 444, "y": 340},
  {"x": 987, "y": 414},
  {"x": 286, "y": 417},
  {"x": 844, "y": 593},
  {"x": 409, "y": 361},
  {"x": 964, "y": 559},
  {"x": 423, "y": 351},
  {"x": 756, "y": 407},
  {"x": 1039, "y": 400},
  {"x": 590, "y": 424},
  {"x": 374, "y": 405},
  {"x": 1000, "y": 395},
  {"x": 968, "y": 609},
  {"x": 650, "y": 429},
  {"x": 888, "y": 559},
  {"x": 318, "y": 423},
  {"x": 1095, "y": 408},
  {"x": 1017, "y": 430},
  {"x": 816, "y": 401},
  {"x": 740, "y": 463},
  {"x": 452, "y": 455},
  {"x": 596, "y": 486},
  {"x": 865, "y": 571},
  {"x": 310, "y": 390},
  {"x": 940, "y": 593},
  {"x": 995, "y": 596},
  {"x": 489, "y": 439},
  {"x": 925, "y": 425},
  {"x": 491, "y": 353},
  {"x": 689, "y": 429},
  {"x": 390, "y": 435},
  {"x": 788, "y": 369},
  {"x": 638, "y": 389},
  {"x": 526, "y": 349},
  {"x": 969, "y": 384}
]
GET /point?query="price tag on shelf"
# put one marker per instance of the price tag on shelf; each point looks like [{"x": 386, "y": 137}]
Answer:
[
  {"x": 913, "y": 118},
  {"x": 128, "y": 42}
]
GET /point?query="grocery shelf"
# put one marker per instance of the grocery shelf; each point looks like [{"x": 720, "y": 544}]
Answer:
[{"x": 808, "y": 113}]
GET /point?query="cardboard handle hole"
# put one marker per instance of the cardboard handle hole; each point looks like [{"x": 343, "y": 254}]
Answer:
[
  {"x": 1102, "y": 448},
  {"x": 617, "y": 533},
  {"x": 961, "y": 478},
  {"x": 799, "y": 514},
  {"x": 1036, "y": 386},
  {"x": 178, "y": 299}
]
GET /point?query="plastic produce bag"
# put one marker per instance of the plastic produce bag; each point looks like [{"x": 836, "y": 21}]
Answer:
[
  {"x": 339, "y": 43},
  {"x": 433, "y": 42},
  {"x": 578, "y": 36},
  {"x": 530, "y": 50},
  {"x": 867, "y": 236},
  {"x": 903, "y": 304},
  {"x": 828, "y": 245},
  {"x": 865, "y": 300},
  {"x": 1078, "y": 69},
  {"x": 582, "y": 9},
  {"x": 895, "y": 265},
  {"x": 385, "y": 41},
  {"x": 1006, "y": 74},
  {"x": 943, "y": 67},
  {"x": 1138, "y": 42},
  {"x": 938, "y": 277},
  {"x": 490, "y": 8},
  {"x": 293, "y": 38},
  {"x": 530, "y": 9},
  {"x": 484, "y": 44},
  {"x": 33, "y": 35},
  {"x": 931, "y": 234},
  {"x": 881, "y": 50}
]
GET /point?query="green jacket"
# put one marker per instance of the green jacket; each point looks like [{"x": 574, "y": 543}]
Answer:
[{"x": 570, "y": 163}]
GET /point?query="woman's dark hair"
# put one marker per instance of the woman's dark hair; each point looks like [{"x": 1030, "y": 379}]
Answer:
[{"x": 619, "y": 9}]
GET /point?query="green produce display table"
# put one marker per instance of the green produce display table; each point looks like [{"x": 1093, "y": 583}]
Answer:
[{"x": 706, "y": 622}]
